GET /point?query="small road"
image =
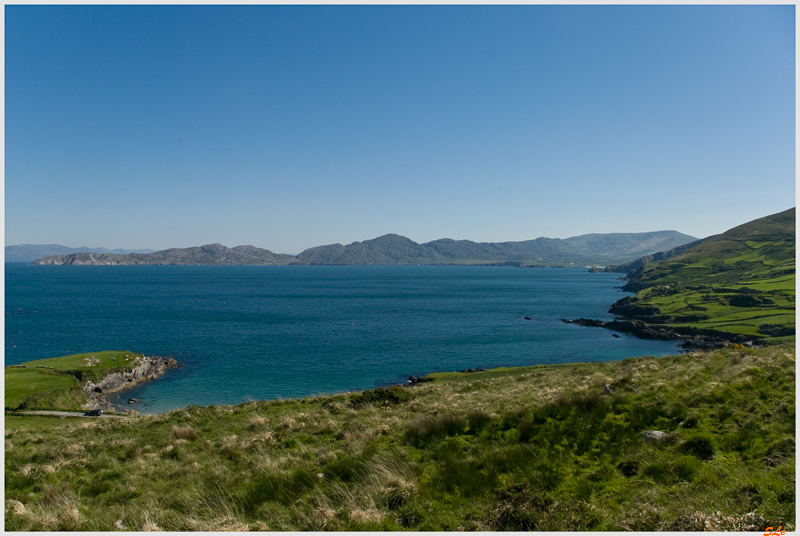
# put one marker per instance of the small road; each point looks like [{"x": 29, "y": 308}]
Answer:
[{"x": 63, "y": 414}]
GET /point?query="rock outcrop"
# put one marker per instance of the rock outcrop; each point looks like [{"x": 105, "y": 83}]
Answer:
[
  {"x": 148, "y": 368},
  {"x": 692, "y": 337}
]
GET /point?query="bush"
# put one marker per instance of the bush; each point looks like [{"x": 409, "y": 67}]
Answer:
[
  {"x": 628, "y": 467},
  {"x": 700, "y": 446}
]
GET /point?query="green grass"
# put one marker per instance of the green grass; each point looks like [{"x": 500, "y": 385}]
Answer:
[
  {"x": 55, "y": 383},
  {"x": 529, "y": 448},
  {"x": 733, "y": 283},
  {"x": 34, "y": 422}
]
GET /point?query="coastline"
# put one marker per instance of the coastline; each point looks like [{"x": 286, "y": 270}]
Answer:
[
  {"x": 149, "y": 368},
  {"x": 693, "y": 338}
]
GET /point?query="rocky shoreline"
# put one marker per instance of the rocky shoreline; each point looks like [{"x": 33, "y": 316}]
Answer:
[
  {"x": 148, "y": 368},
  {"x": 693, "y": 338}
]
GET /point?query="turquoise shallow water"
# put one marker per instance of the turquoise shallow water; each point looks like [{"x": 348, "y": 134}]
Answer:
[{"x": 265, "y": 332}]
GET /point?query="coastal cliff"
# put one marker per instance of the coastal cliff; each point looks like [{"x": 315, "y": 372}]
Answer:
[{"x": 148, "y": 368}]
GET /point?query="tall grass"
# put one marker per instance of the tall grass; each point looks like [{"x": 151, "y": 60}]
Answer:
[{"x": 540, "y": 450}]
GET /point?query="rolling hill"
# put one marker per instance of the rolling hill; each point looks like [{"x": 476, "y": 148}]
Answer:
[{"x": 740, "y": 283}]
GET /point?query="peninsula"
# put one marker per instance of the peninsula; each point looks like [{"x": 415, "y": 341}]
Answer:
[
  {"x": 737, "y": 287},
  {"x": 79, "y": 381}
]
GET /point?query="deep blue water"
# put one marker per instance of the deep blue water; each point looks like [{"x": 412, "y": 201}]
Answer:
[{"x": 265, "y": 332}]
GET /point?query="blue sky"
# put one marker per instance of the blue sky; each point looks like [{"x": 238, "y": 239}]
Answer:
[{"x": 291, "y": 127}]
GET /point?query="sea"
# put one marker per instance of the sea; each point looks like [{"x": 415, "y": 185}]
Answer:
[{"x": 246, "y": 333}]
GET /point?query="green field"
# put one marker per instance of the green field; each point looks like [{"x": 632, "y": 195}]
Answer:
[
  {"x": 742, "y": 281},
  {"x": 532, "y": 448},
  {"x": 55, "y": 383}
]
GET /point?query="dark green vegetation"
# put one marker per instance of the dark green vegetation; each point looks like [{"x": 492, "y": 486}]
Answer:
[
  {"x": 55, "y": 383},
  {"x": 393, "y": 249},
  {"x": 742, "y": 282},
  {"x": 535, "y": 448}
]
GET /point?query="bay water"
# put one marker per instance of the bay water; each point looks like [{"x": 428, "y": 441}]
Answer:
[{"x": 266, "y": 332}]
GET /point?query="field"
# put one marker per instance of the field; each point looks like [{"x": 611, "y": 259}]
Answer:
[
  {"x": 55, "y": 383},
  {"x": 740, "y": 282},
  {"x": 533, "y": 448}
]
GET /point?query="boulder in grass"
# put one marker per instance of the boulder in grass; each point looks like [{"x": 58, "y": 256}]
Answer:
[{"x": 652, "y": 436}]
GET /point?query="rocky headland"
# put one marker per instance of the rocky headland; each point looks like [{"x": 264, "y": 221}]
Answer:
[
  {"x": 692, "y": 337},
  {"x": 148, "y": 368}
]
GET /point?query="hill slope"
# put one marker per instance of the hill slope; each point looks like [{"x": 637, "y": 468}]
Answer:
[
  {"x": 585, "y": 249},
  {"x": 741, "y": 282},
  {"x": 532, "y": 448}
]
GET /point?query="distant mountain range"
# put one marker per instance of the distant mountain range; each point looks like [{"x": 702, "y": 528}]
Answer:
[
  {"x": 392, "y": 249},
  {"x": 585, "y": 249},
  {"x": 31, "y": 252}
]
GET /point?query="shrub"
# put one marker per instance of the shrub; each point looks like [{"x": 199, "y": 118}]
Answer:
[
  {"x": 700, "y": 446},
  {"x": 690, "y": 421},
  {"x": 629, "y": 467}
]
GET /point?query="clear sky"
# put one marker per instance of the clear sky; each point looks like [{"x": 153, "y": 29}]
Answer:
[{"x": 291, "y": 127}]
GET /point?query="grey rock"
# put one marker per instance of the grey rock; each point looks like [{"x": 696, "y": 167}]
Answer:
[
  {"x": 655, "y": 436},
  {"x": 147, "y": 368}
]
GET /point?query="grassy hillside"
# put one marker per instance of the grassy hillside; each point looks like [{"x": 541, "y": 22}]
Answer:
[
  {"x": 534, "y": 448},
  {"x": 55, "y": 383},
  {"x": 742, "y": 281}
]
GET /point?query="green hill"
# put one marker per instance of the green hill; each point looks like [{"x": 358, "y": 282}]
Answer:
[{"x": 739, "y": 282}]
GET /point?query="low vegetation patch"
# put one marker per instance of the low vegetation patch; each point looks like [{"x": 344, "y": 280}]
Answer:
[{"x": 535, "y": 448}]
